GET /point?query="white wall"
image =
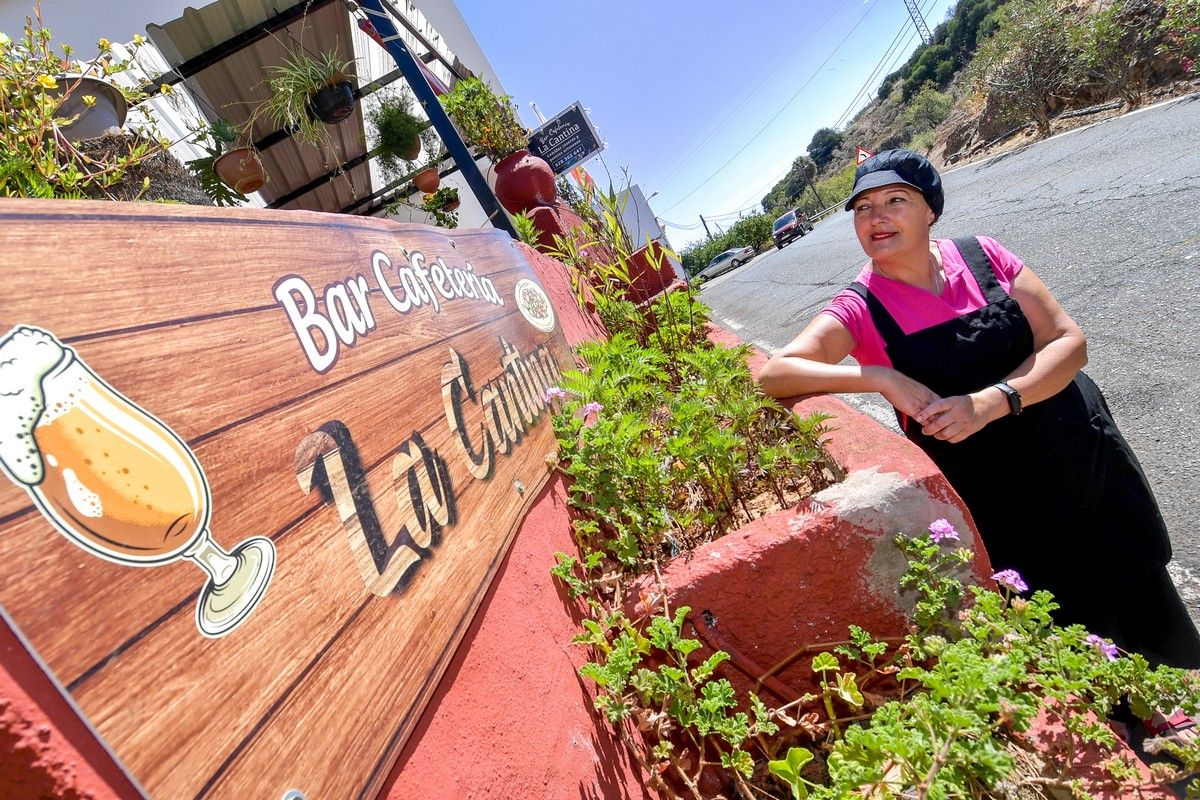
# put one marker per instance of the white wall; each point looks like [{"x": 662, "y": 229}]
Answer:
[{"x": 639, "y": 222}]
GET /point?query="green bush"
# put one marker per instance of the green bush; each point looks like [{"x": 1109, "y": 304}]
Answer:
[
  {"x": 1028, "y": 63},
  {"x": 929, "y": 108},
  {"x": 1182, "y": 33}
]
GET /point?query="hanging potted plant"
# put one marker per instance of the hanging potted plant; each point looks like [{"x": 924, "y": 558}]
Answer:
[
  {"x": 400, "y": 135},
  {"x": 427, "y": 180},
  {"x": 442, "y": 205},
  {"x": 308, "y": 93},
  {"x": 227, "y": 173},
  {"x": 489, "y": 122}
]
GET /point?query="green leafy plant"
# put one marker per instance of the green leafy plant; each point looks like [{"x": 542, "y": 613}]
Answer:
[
  {"x": 441, "y": 205},
  {"x": 36, "y": 158},
  {"x": 943, "y": 713},
  {"x": 488, "y": 121},
  {"x": 292, "y": 83},
  {"x": 216, "y": 139},
  {"x": 1118, "y": 46},
  {"x": 400, "y": 134},
  {"x": 1027, "y": 64},
  {"x": 650, "y": 678},
  {"x": 527, "y": 232},
  {"x": 1182, "y": 34}
]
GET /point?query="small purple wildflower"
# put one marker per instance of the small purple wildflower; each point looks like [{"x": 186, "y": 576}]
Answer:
[
  {"x": 555, "y": 393},
  {"x": 1107, "y": 648},
  {"x": 942, "y": 529},
  {"x": 592, "y": 408},
  {"x": 1011, "y": 579}
]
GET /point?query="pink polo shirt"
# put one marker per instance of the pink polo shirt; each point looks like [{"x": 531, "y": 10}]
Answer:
[{"x": 915, "y": 309}]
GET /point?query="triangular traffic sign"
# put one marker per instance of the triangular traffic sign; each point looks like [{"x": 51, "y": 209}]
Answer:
[{"x": 861, "y": 155}]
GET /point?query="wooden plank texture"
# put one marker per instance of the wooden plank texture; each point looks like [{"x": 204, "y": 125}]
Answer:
[{"x": 388, "y": 480}]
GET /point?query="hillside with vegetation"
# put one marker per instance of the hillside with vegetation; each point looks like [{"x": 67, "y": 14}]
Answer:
[{"x": 996, "y": 74}]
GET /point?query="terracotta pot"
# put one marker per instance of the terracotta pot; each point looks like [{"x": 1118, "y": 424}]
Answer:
[
  {"x": 332, "y": 103},
  {"x": 241, "y": 170},
  {"x": 427, "y": 180},
  {"x": 414, "y": 150},
  {"x": 524, "y": 181},
  {"x": 453, "y": 204}
]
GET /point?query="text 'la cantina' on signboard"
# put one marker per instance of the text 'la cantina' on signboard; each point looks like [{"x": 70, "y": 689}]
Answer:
[{"x": 264, "y": 468}]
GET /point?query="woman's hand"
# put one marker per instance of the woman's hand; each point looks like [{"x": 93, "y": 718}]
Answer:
[
  {"x": 909, "y": 397},
  {"x": 953, "y": 419}
]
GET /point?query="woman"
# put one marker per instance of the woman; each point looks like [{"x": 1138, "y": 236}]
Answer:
[{"x": 983, "y": 368}]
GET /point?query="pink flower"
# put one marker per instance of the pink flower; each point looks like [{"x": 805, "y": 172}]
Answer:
[
  {"x": 554, "y": 393},
  {"x": 592, "y": 408},
  {"x": 942, "y": 529},
  {"x": 1107, "y": 648},
  {"x": 1011, "y": 579}
]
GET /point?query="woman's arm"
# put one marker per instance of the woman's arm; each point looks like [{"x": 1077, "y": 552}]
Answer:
[
  {"x": 1059, "y": 352},
  {"x": 809, "y": 364}
]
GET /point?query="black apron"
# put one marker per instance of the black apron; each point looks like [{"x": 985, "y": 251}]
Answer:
[{"x": 1056, "y": 492}]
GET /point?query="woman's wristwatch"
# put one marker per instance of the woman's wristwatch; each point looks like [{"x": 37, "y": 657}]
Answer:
[{"x": 1012, "y": 395}]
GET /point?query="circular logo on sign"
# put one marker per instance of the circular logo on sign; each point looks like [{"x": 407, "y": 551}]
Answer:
[{"x": 534, "y": 305}]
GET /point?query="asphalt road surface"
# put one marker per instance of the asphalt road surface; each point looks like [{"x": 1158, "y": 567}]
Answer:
[{"x": 1109, "y": 217}]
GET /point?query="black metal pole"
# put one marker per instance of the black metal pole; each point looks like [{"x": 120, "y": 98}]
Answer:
[{"x": 378, "y": 11}]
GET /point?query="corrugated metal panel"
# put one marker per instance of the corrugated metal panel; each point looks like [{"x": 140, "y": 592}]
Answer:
[{"x": 234, "y": 87}]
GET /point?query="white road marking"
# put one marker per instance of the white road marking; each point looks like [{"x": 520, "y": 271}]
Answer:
[{"x": 733, "y": 326}]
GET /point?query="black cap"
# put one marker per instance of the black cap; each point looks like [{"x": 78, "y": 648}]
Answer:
[{"x": 900, "y": 166}]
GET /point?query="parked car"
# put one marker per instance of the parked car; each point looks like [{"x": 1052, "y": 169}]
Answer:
[
  {"x": 734, "y": 257},
  {"x": 791, "y": 225}
]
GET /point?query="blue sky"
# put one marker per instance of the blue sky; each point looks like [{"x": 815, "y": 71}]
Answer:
[{"x": 677, "y": 89}]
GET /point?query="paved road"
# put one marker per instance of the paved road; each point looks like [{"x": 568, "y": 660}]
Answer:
[{"x": 1109, "y": 217}]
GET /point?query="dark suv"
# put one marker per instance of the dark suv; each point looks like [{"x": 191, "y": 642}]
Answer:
[{"x": 791, "y": 225}]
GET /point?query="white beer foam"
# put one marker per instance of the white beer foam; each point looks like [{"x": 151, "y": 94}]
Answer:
[
  {"x": 27, "y": 354},
  {"x": 86, "y": 501}
]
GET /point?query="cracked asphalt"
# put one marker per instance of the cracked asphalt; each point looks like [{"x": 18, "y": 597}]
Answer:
[{"x": 1109, "y": 218}]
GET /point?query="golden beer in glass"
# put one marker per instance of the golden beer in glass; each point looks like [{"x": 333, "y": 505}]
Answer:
[{"x": 120, "y": 484}]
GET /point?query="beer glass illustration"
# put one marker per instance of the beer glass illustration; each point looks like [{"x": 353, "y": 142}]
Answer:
[{"x": 115, "y": 480}]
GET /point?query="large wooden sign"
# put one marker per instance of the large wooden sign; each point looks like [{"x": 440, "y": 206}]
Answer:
[{"x": 259, "y": 469}]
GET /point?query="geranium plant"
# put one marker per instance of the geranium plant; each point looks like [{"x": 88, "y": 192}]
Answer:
[
  {"x": 947, "y": 715},
  {"x": 487, "y": 121}
]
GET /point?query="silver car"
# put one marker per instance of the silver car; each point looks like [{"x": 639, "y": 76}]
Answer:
[{"x": 734, "y": 257}]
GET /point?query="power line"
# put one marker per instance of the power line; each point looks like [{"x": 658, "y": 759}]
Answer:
[
  {"x": 763, "y": 83},
  {"x": 803, "y": 86},
  {"x": 870, "y": 78}
]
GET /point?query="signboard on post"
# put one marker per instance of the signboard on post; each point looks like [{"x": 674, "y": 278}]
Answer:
[
  {"x": 566, "y": 139},
  {"x": 259, "y": 469},
  {"x": 861, "y": 155}
]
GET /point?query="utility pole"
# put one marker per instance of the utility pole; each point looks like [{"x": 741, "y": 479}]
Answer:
[
  {"x": 918, "y": 21},
  {"x": 705, "y": 224}
]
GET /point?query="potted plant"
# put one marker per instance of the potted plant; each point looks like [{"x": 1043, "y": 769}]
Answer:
[
  {"x": 46, "y": 112},
  {"x": 89, "y": 106},
  {"x": 489, "y": 122},
  {"x": 442, "y": 205},
  {"x": 227, "y": 173},
  {"x": 400, "y": 134},
  {"x": 427, "y": 180},
  {"x": 307, "y": 92}
]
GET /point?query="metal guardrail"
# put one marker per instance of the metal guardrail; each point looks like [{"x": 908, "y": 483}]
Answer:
[{"x": 825, "y": 212}]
